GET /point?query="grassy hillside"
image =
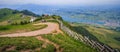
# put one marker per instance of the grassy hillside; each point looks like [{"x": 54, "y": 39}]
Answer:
[
  {"x": 69, "y": 44},
  {"x": 8, "y": 29},
  {"x": 109, "y": 37},
  {"x": 65, "y": 42},
  {"x": 19, "y": 44},
  {"x": 8, "y": 16},
  {"x": 14, "y": 21}
]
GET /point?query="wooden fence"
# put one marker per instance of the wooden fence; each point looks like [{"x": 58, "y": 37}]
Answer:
[{"x": 92, "y": 43}]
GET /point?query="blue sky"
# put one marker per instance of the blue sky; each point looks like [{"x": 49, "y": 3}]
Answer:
[{"x": 61, "y": 2}]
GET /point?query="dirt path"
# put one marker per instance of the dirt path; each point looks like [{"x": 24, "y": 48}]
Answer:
[
  {"x": 51, "y": 27},
  {"x": 57, "y": 47}
]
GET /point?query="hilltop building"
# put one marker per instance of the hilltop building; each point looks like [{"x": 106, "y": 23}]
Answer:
[{"x": 32, "y": 19}]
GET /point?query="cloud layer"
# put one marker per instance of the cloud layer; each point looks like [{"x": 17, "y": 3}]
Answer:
[{"x": 60, "y": 2}]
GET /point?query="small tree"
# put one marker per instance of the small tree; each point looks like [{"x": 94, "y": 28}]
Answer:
[
  {"x": 25, "y": 22},
  {"x": 22, "y": 23}
]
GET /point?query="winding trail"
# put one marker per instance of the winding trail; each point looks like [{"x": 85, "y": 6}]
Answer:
[
  {"x": 57, "y": 47},
  {"x": 49, "y": 29}
]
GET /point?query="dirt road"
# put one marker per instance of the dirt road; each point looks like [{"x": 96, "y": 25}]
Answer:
[{"x": 51, "y": 27}]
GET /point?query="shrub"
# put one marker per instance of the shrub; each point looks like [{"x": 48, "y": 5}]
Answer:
[{"x": 24, "y": 22}]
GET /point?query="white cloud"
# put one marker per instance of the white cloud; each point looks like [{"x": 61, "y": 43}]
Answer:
[{"x": 60, "y": 2}]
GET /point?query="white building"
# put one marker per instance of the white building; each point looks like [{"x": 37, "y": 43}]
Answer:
[{"x": 32, "y": 19}]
